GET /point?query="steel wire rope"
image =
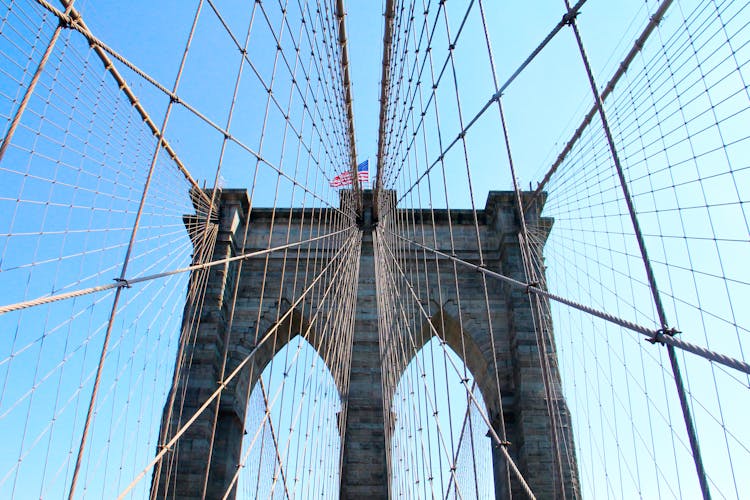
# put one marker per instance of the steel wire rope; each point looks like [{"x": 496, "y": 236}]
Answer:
[
  {"x": 232, "y": 374},
  {"x": 275, "y": 446},
  {"x": 326, "y": 357},
  {"x": 397, "y": 84},
  {"x": 545, "y": 325},
  {"x": 716, "y": 123},
  {"x": 111, "y": 391},
  {"x": 429, "y": 57},
  {"x": 316, "y": 257},
  {"x": 217, "y": 177},
  {"x": 426, "y": 272},
  {"x": 68, "y": 4},
  {"x": 336, "y": 52},
  {"x": 520, "y": 214},
  {"x": 25, "y": 449},
  {"x": 466, "y": 424},
  {"x": 493, "y": 98},
  {"x": 76, "y": 22},
  {"x": 59, "y": 367},
  {"x": 237, "y": 280},
  {"x": 411, "y": 219},
  {"x": 403, "y": 363},
  {"x": 194, "y": 303},
  {"x": 98, "y": 101},
  {"x": 402, "y": 350},
  {"x": 440, "y": 456},
  {"x": 37, "y": 383},
  {"x": 391, "y": 208},
  {"x": 647, "y": 332},
  {"x": 126, "y": 282},
  {"x": 502, "y": 445},
  {"x": 267, "y": 412},
  {"x": 126, "y": 260},
  {"x": 690, "y": 426},
  {"x": 407, "y": 219},
  {"x": 294, "y": 293},
  {"x": 283, "y": 265},
  {"x": 174, "y": 98},
  {"x": 294, "y": 283}
]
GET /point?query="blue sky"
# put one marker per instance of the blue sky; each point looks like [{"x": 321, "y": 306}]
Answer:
[{"x": 65, "y": 212}]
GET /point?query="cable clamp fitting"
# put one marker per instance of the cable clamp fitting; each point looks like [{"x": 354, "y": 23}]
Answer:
[
  {"x": 529, "y": 286},
  {"x": 502, "y": 444},
  {"x": 670, "y": 332},
  {"x": 122, "y": 282},
  {"x": 570, "y": 17}
]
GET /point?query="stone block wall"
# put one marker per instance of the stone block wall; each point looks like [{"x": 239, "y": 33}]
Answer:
[{"x": 521, "y": 402}]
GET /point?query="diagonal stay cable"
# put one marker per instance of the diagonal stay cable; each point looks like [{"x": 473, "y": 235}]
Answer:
[
  {"x": 653, "y": 335},
  {"x": 638, "y": 45},
  {"x": 126, "y": 283},
  {"x": 308, "y": 109},
  {"x": 497, "y": 95},
  {"x": 269, "y": 406},
  {"x": 72, "y": 19},
  {"x": 224, "y": 383},
  {"x": 648, "y": 268},
  {"x": 304, "y": 335},
  {"x": 501, "y": 444},
  {"x": 467, "y": 420},
  {"x": 393, "y": 298},
  {"x": 103, "y": 50},
  {"x": 274, "y": 439}
]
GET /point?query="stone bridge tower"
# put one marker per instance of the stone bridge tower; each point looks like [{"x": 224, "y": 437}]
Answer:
[{"x": 364, "y": 471}]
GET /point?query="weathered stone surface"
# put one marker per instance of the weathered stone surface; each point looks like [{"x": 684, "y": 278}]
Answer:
[{"x": 521, "y": 402}]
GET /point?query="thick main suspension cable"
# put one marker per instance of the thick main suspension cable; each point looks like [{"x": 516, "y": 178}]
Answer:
[
  {"x": 348, "y": 101},
  {"x": 653, "y": 22},
  {"x": 104, "y": 52},
  {"x": 72, "y": 19},
  {"x": 384, "y": 95}
]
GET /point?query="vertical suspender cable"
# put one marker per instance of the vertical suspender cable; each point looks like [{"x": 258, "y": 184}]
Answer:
[
  {"x": 689, "y": 425},
  {"x": 126, "y": 260}
]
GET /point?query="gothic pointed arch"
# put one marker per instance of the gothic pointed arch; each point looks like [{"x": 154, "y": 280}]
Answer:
[
  {"x": 470, "y": 347},
  {"x": 277, "y": 327},
  {"x": 439, "y": 436},
  {"x": 294, "y": 401}
]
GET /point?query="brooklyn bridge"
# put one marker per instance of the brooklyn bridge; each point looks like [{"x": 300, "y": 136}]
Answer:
[{"x": 520, "y": 275}]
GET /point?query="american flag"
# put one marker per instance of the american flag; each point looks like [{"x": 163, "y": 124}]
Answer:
[
  {"x": 363, "y": 171},
  {"x": 345, "y": 177}
]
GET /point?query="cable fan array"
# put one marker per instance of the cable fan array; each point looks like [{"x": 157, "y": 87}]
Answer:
[{"x": 179, "y": 277}]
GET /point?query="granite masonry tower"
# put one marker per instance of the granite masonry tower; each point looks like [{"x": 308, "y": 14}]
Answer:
[{"x": 364, "y": 470}]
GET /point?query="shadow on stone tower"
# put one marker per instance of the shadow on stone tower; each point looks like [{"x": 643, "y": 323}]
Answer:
[{"x": 521, "y": 403}]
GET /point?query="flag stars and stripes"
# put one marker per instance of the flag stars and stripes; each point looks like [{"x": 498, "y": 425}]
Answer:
[{"x": 345, "y": 177}]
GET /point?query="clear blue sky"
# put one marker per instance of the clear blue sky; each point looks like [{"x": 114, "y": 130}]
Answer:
[{"x": 694, "y": 248}]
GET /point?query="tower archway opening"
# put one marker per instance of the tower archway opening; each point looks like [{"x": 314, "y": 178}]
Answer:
[
  {"x": 292, "y": 445},
  {"x": 438, "y": 441}
]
